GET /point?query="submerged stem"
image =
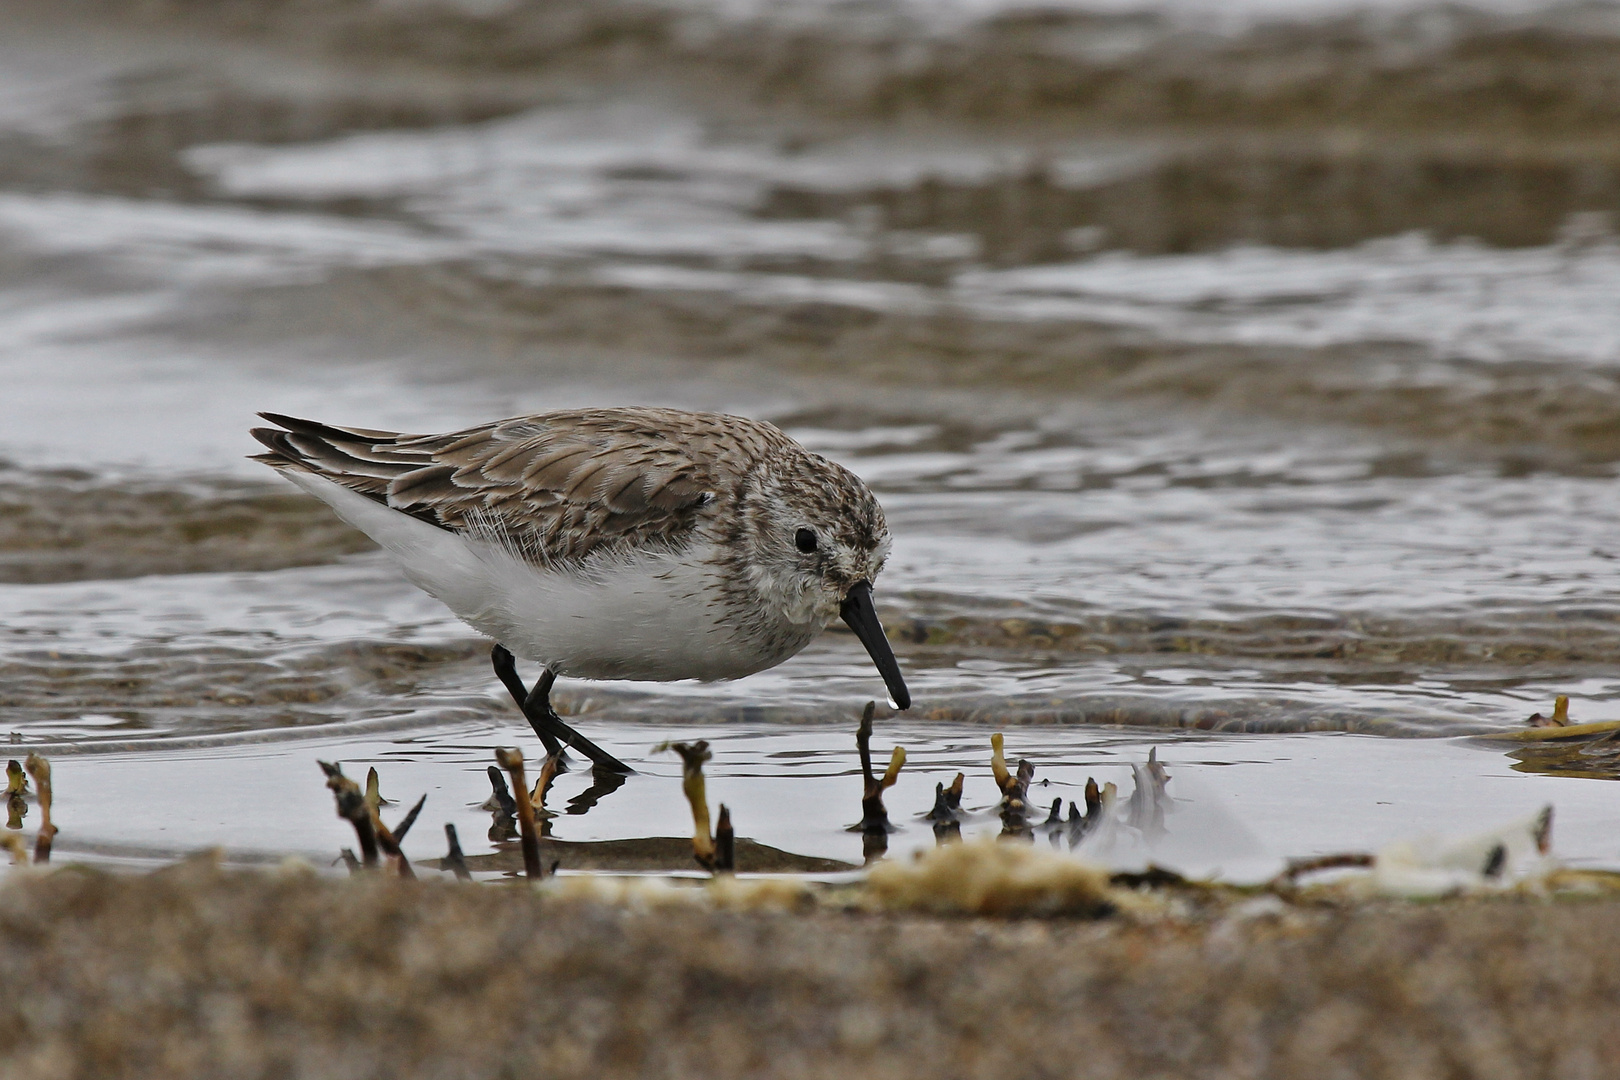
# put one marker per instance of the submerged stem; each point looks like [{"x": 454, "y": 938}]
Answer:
[
  {"x": 512, "y": 761},
  {"x": 40, "y": 770},
  {"x": 693, "y": 755}
]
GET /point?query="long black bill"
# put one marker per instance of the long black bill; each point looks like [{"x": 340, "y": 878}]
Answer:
[{"x": 861, "y": 616}]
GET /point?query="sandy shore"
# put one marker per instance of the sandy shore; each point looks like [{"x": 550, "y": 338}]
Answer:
[{"x": 197, "y": 972}]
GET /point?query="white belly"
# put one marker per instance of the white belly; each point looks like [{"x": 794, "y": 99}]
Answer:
[{"x": 652, "y": 616}]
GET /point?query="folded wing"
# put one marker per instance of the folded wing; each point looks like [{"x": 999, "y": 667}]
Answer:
[{"x": 556, "y": 487}]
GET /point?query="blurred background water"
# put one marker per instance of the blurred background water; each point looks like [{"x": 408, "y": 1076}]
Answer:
[{"x": 1225, "y": 367}]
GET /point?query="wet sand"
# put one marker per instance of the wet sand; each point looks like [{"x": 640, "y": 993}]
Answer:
[{"x": 194, "y": 972}]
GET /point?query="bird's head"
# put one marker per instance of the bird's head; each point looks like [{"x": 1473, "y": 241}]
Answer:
[{"x": 817, "y": 542}]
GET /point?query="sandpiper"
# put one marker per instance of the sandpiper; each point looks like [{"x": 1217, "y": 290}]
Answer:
[{"x": 632, "y": 543}]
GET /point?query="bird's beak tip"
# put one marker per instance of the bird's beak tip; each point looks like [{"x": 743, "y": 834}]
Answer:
[{"x": 858, "y": 612}]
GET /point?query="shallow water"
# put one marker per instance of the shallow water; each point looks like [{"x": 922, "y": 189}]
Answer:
[
  {"x": 1238, "y": 806},
  {"x": 1271, "y": 424}
]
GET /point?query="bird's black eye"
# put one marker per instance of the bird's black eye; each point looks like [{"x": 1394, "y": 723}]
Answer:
[{"x": 805, "y": 540}]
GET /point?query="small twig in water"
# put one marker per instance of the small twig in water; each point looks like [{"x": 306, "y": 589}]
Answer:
[
  {"x": 16, "y": 794},
  {"x": 873, "y": 814},
  {"x": 410, "y": 819},
  {"x": 1148, "y": 798},
  {"x": 1014, "y": 789},
  {"x": 725, "y": 843},
  {"x": 503, "y": 809},
  {"x": 1559, "y": 717},
  {"x": 1495, "y": 862},
  {"x": 874, "y": 825},
  {"x": 542, "y": 784},
  {"x": 389, "y": 840},
  {"x": 351, "y": 807},
  {"x": 40, "y": 770},
  {"x": 947, "y": 803},
  {"x": 693, "y": 755},
  {"x": 1081, "y": 827},
  {"x": 512, "y": 761},
  {"x": 947, "y": 821},
  {"x": 455, "y": 860},
  {"x": 500, "y": 799},
  {"x": 942, "y": 813},
  {"x": 1543, "y": 833},
  {"x": 1054, "y": 817},
  {"x": 998, "y": 763},
  {"x": 374, "y": 797}
]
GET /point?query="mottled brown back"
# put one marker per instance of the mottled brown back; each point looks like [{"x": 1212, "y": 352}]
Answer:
[{"x": 556, "y": 486}]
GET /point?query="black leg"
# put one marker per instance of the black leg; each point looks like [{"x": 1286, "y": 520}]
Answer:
[
  {"x": 536, "y": 706},
  {"x": 506, "y": 671}
]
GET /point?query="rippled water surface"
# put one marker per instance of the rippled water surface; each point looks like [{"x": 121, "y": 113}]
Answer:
[{"x": 1275, "y": 428}]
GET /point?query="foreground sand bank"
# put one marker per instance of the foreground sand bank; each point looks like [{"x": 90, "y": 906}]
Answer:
[{"x": 194, "y": 972}]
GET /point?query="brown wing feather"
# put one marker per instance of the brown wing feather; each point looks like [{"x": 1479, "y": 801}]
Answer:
[{"x": 560, "y": 486}]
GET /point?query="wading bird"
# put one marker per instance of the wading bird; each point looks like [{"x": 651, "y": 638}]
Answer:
[{"x": 632, "y": 543}]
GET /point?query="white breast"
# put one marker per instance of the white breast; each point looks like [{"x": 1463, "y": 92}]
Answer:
[{"x": 646, "y": 616}]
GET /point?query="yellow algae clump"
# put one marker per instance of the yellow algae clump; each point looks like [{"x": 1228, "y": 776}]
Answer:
[{"x": 988, "y": 878}]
